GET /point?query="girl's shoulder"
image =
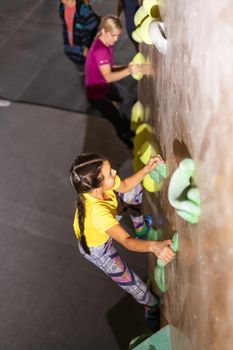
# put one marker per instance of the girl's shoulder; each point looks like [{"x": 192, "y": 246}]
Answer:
[
  {"x": 117, "y": 182},
  {"x": 100, "y": 212}
]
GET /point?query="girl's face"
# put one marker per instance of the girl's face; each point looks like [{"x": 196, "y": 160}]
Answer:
[
  {"x": 109, "y": 176},
  {"x": 111, "y": 38}
]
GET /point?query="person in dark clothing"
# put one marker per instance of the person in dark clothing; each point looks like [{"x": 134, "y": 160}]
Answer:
[
  {"x": 129, "y": 7},
  {"x": 80, "y": 24}
]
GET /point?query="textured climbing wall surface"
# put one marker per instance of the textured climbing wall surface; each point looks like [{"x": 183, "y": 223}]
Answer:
[{"x": 190, "y": 106}]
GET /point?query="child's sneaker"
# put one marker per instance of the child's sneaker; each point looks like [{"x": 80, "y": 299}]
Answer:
[
  {"x": 152, "y": 316},
  {"x": 148, "y": 220},
  {"x": 144, "y": 232}
]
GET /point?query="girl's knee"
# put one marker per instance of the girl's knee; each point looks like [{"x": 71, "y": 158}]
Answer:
[{"x": 134, "y": 196}]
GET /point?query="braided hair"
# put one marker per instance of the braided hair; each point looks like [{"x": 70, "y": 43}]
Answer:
[{"x": 85, "y": 175}]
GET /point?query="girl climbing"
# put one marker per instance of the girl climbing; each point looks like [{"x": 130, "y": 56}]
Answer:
[{"x": 101, "y": 197}]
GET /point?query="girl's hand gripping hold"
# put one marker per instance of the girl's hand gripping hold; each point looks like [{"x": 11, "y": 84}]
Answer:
[
  {"x": 163, "y": 251},
  {"x": 153, "y": 162}
]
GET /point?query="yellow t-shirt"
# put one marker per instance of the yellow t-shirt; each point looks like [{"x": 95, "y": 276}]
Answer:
[{"x": 100, "y": 216}]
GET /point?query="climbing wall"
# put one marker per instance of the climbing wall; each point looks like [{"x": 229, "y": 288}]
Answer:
[{"x": 189, "y": 106}]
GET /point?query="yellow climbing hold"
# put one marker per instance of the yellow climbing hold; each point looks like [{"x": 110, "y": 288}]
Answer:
[
  {"x": 144, "y": 30},
  {"x": 137, "y": 115},
  {"x": 138, "y": 59},
  {"x": 143, "y": 127},
  {"x": 140, "y": 14},
  {"x": 150, "y": 185},
  {"x": 147, "y": 151},
  {"x": 142, "y": 134},
  {"x": 136, "y": 36},
  {"x": 151, "y": 8}
]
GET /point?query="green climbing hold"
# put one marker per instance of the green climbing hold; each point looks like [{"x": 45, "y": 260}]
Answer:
[
  {"x": 165, "y": 339},
  {"x": 194, "y": 195},
  {"x": 182, "y": 194},
  {"x": 175, "y": 242},
  {"x": 138, "y": 340},
  {"x": 189, "y": 217},
  {"x": 155, "y": 176},
  {"x": 162, "y": 169},
  {"x": 159, "y": 272},
  {"x": 153, "y": 235},
  {"x": 174, "y": 247},
  {"x": 160, "y": 173},
  {"x": 160, "y": 278}
]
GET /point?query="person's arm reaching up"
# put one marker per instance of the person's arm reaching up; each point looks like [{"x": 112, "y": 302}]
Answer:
[{"x": 130, "y": 182}]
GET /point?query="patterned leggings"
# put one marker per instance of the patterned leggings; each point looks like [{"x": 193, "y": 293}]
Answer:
[{"x": 107, "y": 259}]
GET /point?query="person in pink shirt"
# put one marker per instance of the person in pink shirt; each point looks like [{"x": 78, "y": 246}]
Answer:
[{"x": 111, "y": 99}]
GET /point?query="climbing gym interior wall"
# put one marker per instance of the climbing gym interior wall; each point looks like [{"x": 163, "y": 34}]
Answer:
[{"x": 188, "y": 105}]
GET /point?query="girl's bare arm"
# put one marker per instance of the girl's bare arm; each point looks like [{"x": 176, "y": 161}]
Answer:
[
  {"x": 132, "y": 181},
  {"x": 161, "y": 249}
]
